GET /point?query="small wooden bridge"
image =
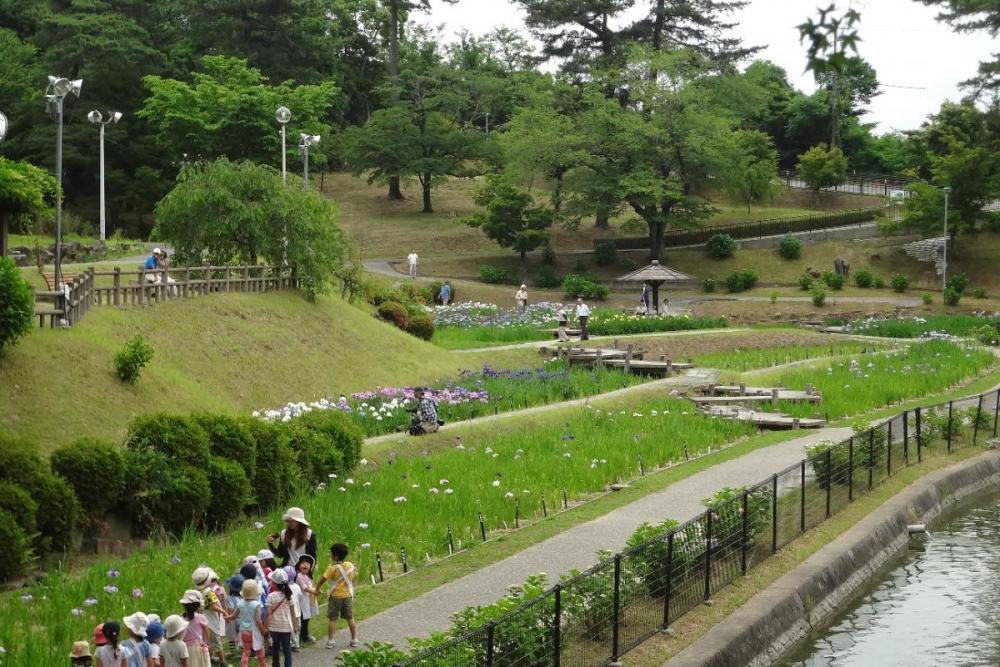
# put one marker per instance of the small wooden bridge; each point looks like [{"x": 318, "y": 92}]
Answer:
[{"x": 630, "y": 359}]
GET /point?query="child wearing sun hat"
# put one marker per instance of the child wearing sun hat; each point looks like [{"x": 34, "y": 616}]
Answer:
[
  {"x": 79, "y": 655},
  {"x": 137, "y": 649},
  {"x": 250, "y": 621},
  {"x": 196, "y": 635},
  {"x": 173, "y": 650}
]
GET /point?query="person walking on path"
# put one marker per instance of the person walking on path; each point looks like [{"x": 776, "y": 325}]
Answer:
[
  {"x": 563, "y": 320},
  {"x": 444, "y": 296},
  {"x": 341, "y": 574},
  {"x": 583, "y": 315},
  {"x": 412, "y": 259},
  {"x": 296, "y": 539},
  {"x": 521, "y": 299}
]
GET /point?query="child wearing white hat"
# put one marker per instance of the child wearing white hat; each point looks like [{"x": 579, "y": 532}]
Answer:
[
  {"x": 250, "y": 621},
  {"x": 137, "y": 649},
  {"x": 196, "y": 635},
  {"x": 173, "y": 650}
]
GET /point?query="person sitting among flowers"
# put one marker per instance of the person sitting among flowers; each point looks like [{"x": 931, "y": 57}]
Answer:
[{"x": 425, "y": 416}]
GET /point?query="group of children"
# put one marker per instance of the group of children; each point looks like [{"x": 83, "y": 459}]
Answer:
[{"x": 260, "y": 607}]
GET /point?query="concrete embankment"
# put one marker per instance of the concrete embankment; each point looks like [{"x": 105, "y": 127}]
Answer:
[{"x": 774, "y": 621}]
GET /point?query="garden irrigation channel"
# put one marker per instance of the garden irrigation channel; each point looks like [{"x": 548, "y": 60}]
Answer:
[{"x": 595, "y": 617}]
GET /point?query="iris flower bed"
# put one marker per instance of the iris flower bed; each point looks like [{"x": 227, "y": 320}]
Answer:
[
  {"x": 929, "y": 326},
  {"x": 473, "y": 394},
  {"x": 614, "y": 323},
  {"x": 744, "y": 360}
]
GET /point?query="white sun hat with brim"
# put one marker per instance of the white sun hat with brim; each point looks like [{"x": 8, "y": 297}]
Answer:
[
  {"x": 174, "y": 625},
  {"x": 264, "y": 554},
  {"x": 296, "y": 514},
  {"x": 137, "y": 623},
  {"x": 191, "y": 596},
  {"x": 250, "y": 560},
  {"x": 278, "y": 577},
  {"x": 201, "y": 576},
  {"x": 157, "y": 251},
  {"x": 250, "y": 590}
]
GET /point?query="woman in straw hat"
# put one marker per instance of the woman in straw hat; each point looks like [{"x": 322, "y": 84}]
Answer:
[{"x": 295, "y": 540}]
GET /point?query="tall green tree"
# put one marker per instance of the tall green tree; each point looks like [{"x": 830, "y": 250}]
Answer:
[
  {"x": 755, "y": 175},
  {"x": 510, "y": 217},
  {"x": 822, "y": 166},
  {"x": 25, "y": 193}
]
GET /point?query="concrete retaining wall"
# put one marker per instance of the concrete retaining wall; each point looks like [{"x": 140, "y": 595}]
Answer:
[{"x": 774, "y": 621}]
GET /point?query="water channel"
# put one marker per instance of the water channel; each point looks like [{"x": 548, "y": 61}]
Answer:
[{"x": 938, "y": 605}]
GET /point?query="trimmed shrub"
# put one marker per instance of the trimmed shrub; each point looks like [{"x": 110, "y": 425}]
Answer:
[
  {"x": 605, "y": 253},
  {"x": 899, "y": 282},
  {"x": 95, "y": 469},
  {"x": 394, "y": 313},
  {"x": 421, "y": 326},
  {"x": 741, "y": 280},
  {"x": 277, "y": 468},
  {"x": 17, "y": 545},
  {"x": 495, "y": 275},
  {"x": 818, "y": 296},
  {"x": 951, "y": 296},
  {"x": 576, "y": 285},
  {"x": 315, "y": 453},
  {"x": 132, "y": 358},
  {"x": 790, "y": 247},
  {"x": 17, "y": 304},
  {"x": 721, "y": 246},
  {"x": 230, "y": 438},
  {"x": 547, "y": 277},
  {"x": 834, "y": 281},
  {"x": 805, "y": 283},
  {"x": 864, "y": 279},
  {"x": 16, "y": 500},
  {"x": 166, "y": 495},
  {"x": 178, "y": 438},
  {"x": 958, "y": 282},
  {"x": 979, "y": 293},
  {"x": 879, "y": 282},
  {"x": 927, "y": 299},
  {"x": 774, "y": 297},
  {"x": 230, "y": 491},
  {"x": 345, "y": 434},
  {"x": 710, "y": 283}
]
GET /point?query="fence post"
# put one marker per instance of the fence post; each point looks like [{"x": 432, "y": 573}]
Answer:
[
  {"x": 906, "y": 437},
  {"x": 490, "y": 636},
  {"x": 950, "y": 406},
  {"x": 802, "y": 499},
  {"x": 871, "y": 458},
  {"x": 919, "y": 436},
  {"x": 744, "y": 533},
  {"x": 670, "y": 581},
  {"x": 142, "y": 286},
  {"x": 774, "y": 513},
  {"x": 708, "y": 555},
  {"x": 996, "y": 414},
  {"x": 850, "y": 470},
  {"x": 557, "y": 627},
  {"x": 888, "y": 449},
  {"x": 617, "y": 609},
  {"x": 187, "y": 282},
  {"x": 975, "y": 429},
  {"x": 829, "y": 479},
  {"x": 118, "y": 285}
]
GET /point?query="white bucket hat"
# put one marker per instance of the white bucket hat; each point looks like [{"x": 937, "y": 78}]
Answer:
[
  {"x": 157, "y": 251},
  {"x": 264, "y": 554},
  {"x": 295, "y": 514},
  {"x": 201, "y": 576},
  {"x": 278, "y": 577},
  {"x": 174, "y": 625},
  {"x": 250, "y": 560},
  {"x": 137, "y": 623},
  {"x": 192, "y": 596}
]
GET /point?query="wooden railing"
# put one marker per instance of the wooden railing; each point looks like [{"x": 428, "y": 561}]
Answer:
[{"x": 121, "y": 288}]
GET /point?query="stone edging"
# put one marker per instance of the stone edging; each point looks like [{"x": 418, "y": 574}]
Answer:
[{"x": 775, "y": 620}]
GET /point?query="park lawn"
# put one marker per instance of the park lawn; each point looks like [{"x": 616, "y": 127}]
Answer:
[{"x": 226, "y": 352}]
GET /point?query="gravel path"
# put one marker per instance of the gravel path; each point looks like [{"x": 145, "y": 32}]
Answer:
[{"x": 572, "y": 549}]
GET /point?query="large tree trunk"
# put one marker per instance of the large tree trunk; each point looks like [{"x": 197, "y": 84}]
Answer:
[
  {"x": 426, "y": 183},
  {"x": 655, "y": 241},
  {"x": 395, "y": 191},
  {"x": 601, "y": 220}
]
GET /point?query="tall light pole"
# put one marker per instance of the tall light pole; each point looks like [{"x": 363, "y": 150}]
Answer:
[
  {"x": 97, "y": 118},
  {"x": 3, "y": 225},
  {"x": 55, "y": 93},
  {"x": 944, "y": 270},
  {"x": 305, "y": 141},
  {"x": 283, "y": 115}
]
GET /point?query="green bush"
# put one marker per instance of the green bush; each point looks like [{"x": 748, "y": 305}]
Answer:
[
  {"x": 495, "y": 275},
  {"x": 958, "y": 282},
  {"x": 987, "y": 334},
  {"x": 790, "y": 247},
  {"x": 879, "y": 282},
  {"x": 651, "y": 552},
  {"x": 394, "y": 313},
  {"x": 273, "y": 479},
  {"x": 547, "y": 277},
  {"x": 805, "y": 283},
  {"x": 230, "y": 491},
  {"x": 834, "y": 281},
  {"x": 728, "y": 525},
  {"x": 548, "y": 255},
  {"x": 710, "y": 283},
  {"x": 16, "y": 500},
  {"x": 316, "y": 455},
  {"x": 345, "y": 434},
  {"x": 951, "y": 296},
  {"x": 864, "y": 279},
  {"x": 576, "y": 285},
  {"x": 17, "y": 304},
  {"x": 899, "y": 282},
  {"x": 229, "y": 437},
  {"x": 132, "y": 358},
  {"x": 166, "y": 495},
  {"x": 835, "y": 466},
  {"x": 721, "y": 246},
  {"x": 177, "y": 438},
  {"x": 979, "y": 293},
  {"x": 96, "y": 471},
  {"x": 605, "y": 253},
  {"x": 741, "y": 280},
  {"x": 818, "y": 295},
  {"x": 17, "y": 544},
  {"x": 927, "y": 299},
  {"x": 421, "y": 326}
]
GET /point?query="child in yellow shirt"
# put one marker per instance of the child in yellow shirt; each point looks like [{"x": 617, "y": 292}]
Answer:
[{"x": 342, "y": 575}]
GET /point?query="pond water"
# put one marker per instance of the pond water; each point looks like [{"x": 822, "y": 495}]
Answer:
[{"x": 939, "y": 606}]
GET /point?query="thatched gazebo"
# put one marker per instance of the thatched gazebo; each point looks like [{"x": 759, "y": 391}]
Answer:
[{"x": 655, "y": 275}]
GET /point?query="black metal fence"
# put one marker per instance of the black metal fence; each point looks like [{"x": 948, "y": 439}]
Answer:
[
  {"x": 593, "y": 618},
  {"x": 877, "y": 185}
]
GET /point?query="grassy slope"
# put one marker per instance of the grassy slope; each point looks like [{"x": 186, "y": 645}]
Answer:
[{"x": 236, "y": 352}]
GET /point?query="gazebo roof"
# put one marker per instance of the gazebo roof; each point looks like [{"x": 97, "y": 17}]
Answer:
[{"x": 656, "y": 272}]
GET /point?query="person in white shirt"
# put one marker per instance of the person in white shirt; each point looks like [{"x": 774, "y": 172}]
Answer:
[
  {"x": 412, "y": 259},
  {"x": 563, "y": 319},
  {"x": 582, "y": 314},
  {"x": 521, "y": 299}
]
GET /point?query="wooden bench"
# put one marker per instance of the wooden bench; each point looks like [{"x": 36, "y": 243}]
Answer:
[{"x": 50, "y": 280}]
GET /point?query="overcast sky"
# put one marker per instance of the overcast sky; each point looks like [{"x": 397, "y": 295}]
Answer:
[{"x": 919, "y": 61}]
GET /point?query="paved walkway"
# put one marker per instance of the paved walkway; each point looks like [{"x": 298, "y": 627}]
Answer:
[{"x": 572, "y": 549}]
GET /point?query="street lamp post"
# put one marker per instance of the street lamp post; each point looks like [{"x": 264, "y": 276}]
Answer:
[
  {"x": 305, "y": 141},
  {"x": 283, "y": 115},
  {"x": 3, "y": 225},
  {"x": 56, "y": 92},
  {"x": 97, "y": 118},
  {"x": 944, "y": 268}
]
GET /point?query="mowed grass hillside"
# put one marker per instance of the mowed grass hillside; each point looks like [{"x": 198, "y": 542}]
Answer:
[{"x": 229, "y": 353}]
